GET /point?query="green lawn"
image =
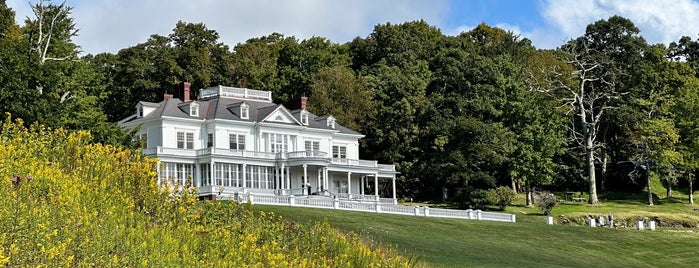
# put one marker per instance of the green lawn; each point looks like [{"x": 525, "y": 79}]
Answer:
[{"x": 440, "y": 242}]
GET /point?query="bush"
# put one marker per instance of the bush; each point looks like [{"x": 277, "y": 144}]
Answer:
[
  {"x": 478, "y": 199},
  {"x": 501, "y": 196},
  {"x": 546, "y": 201},
  {"x": 67, "y": 203}
]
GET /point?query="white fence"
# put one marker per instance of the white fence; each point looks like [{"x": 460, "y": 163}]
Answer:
[{"x": 378, "y": 207}]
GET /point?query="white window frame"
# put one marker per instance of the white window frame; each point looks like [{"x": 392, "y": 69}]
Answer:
[
  {"x": 278, "y": 143},
  {"x": 244, "y": 111},
  {"x": 304, "y": 117},
  {"x": 235, "y": 140},
  {"x": 311, "y": 145},
  {"x": 194, "y": 110},
  {"x": 339, "y": 151},
  {"x": 185, "y": 140},
  {"x": 209, "y": 140},
  {"x": 143, "y": 139}
]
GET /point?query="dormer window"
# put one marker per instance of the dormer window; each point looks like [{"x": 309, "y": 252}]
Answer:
[
  {"x": 244, "y": 111},
  {"x": 304, "y": 117},
  {"x": 194, "y": 109},
  {"x": 139, "y": 111},
  {"x": 331, "y": 122}
]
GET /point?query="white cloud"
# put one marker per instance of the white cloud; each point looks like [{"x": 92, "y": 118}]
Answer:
[
  {"x": 107, "y": 26},
  {"x": 659, "y": 21}
]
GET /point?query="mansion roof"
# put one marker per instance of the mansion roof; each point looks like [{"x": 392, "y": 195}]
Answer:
[{"x": 227, "y": 108}]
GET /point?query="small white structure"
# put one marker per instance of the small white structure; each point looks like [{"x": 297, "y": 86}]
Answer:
[
  {"x": 236, "y": 140},
  {"x": 640, "y": 225},
  {"x": 651, "y": 225}
]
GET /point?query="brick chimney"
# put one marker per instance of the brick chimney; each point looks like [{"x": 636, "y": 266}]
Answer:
[
  {"x": 182, "y": 91},
  {"x": 185, "y": 89},
  {"x": 304, "y": 99},
  {"x": 167, "y": 96}
]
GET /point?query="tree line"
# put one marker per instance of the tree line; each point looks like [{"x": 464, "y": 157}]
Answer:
[{"x": 605, "y": 111}]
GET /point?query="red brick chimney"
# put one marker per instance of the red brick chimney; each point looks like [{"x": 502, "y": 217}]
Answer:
[
  {"x": 167, "y": 96},
  {"x": 185, "y": 94},
  {"x": 304, "y": 99}
]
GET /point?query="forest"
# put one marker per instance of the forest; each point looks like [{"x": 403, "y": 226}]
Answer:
[{"x": 605, "y": 111}]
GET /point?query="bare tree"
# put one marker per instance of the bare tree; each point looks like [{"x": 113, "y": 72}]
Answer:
[
  {"x": 51, "y": 21},
  {"x": 588, "y": 91}
]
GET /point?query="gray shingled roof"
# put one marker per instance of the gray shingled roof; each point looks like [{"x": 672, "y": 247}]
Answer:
[{"x": 228, "y": 109}]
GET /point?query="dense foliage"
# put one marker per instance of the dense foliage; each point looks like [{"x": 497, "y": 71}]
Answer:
[
  {"x": 456, "y": 114},
  {"x": 67, "y": 202}
]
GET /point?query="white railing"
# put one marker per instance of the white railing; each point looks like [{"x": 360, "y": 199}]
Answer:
[
  {"x": 355, "y": 162},
  {"x": 307, "y": 154},
  {"x": 235, "y": 92},
  {"x": 387, "y": 167},
  {"x": 321, "y": 202}
]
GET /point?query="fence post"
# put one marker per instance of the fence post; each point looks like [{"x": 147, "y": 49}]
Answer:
[
  {"x": 292, "y": 201},
  {"x": 378, "y": 207},
  {"x": 336, "y": 203},
  {"x": 470, "y": 213},
  {"x": 417, "y": 210},
  {"x": 251, "y": 199},
  {"x": 478, "y": 214},
  {"x": 514, "y": 218},
  {"x": 427, "y": 211}
]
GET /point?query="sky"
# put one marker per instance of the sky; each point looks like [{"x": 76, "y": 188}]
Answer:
[{"x": 111, "y": 25}]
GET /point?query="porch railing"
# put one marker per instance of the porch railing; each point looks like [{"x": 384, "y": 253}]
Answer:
[{"x": 378, "y": 207}]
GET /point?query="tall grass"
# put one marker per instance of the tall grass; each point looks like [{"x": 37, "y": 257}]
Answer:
[{"x": 67, "y": 203}]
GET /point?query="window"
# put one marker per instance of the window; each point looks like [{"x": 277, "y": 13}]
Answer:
[
  {"x": 340, "y": 187},
  {"x": 304, "y": 117},
  {"x": 139, "y": 111},
  {"x": 194, "y": 109},
  {"x": 209, "y": 140},
  {"x": 339, "y": 151},
  {"x": 176, "y": 174},
  {"x": 185, "y": 140},
  {"x": 278, "y": 143},
  {"x": 244, "y": 111},
  {"x": 331, "y": 122},
  {"x": 143, "y": 139},
  {"x": 312, "y": 146},
  {"x": 236, "y": 141}
]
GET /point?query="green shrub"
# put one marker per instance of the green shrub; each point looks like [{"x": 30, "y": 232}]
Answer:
[
  {"x": 501, "y": 196},
  {"x": 478, "y": 199},
  {"x": 546, "y": 201},
  {"x": 67, "y": 203}
]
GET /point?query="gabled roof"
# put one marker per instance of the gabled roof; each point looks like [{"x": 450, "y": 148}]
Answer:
[
  {"x": 280, "y": 110},
  {"x": 226, "y": 109}
]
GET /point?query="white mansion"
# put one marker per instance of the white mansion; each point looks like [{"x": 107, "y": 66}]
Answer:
[{"x": 236, "y": 140}]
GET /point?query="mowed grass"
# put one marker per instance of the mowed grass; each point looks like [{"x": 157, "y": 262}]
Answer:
[{"x": 438, "y": 242}]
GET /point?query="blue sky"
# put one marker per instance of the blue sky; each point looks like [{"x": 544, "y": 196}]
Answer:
[{"x": 110, "y": 25}]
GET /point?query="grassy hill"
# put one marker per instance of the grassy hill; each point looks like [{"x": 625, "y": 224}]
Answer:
[{"x": 529, "y": 243}]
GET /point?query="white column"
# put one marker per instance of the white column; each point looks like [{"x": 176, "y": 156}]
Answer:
[
  {"x": 305, "y": 179},
  {"x": 318, "y": 186},
  {"x": 157, "y": 171},
  {"x": 283, "y": 178},
  {"x": 213, "y": 172},
  {"x": 361, "y": 187},
  {"x": 237, "y": 176},
  {"x": 376, "y": 185},
  {"x": 394, "y": 189},
  {"x": 288, "y": 177},
  {"x": 197, "y": 175},
  {"x": 325, "y": 179},
  {"x": 266, "y": 177},
  {"x": 349, "y": 185},
  {"x": 245, "y": 175}
]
